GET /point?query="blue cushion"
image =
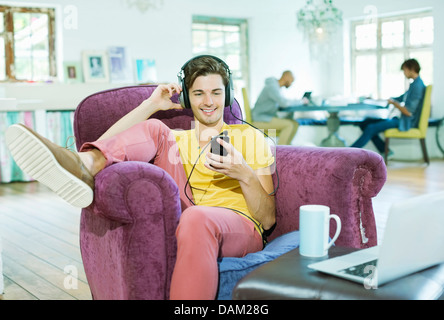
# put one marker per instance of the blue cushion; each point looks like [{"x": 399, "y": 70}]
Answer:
[{"x": 231, "y": 270}]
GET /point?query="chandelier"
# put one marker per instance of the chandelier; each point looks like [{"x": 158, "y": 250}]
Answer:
[{"x": 319, "y": 17}]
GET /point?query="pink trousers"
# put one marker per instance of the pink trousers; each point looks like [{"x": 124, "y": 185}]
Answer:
[{"x": 203, "y": 233}]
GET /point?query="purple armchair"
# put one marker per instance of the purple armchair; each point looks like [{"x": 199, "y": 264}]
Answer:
[{"x": 127, "y": 235}]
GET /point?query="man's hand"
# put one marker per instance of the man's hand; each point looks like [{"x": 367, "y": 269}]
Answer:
[
  {"x": 401, "y": 108},
  {"x": 256, "y": 188},
  {"x": 161, "y": 97},
  {"x": 232, "y": 165}
]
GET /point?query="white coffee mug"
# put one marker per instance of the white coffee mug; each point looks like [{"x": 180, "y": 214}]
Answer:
[{"x": 314, "y": 227}]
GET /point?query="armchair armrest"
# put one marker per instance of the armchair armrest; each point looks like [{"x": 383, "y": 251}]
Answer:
[
  {"x": 128, "y": 190},
  {"x": 127, "y": 236},
  {"x": 345, "y": 179}
]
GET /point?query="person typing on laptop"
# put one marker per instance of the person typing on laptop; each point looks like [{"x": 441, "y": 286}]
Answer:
[
  {"x": 409, "y": 106},
  {"x": 270, "y": 99}
]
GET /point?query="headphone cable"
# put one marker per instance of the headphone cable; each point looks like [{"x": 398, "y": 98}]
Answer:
[{"x": 275, "y": 147}]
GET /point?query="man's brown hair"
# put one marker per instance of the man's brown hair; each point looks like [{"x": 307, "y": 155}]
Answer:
[
  {"x": 204, "y": 66},
  {"x": 411, "y": 64}
]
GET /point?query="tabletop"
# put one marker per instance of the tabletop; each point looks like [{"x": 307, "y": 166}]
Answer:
[{"x": 334, "y": 108}]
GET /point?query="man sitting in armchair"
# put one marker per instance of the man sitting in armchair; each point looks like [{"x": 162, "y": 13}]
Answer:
[{"x": 227, "y": 200}]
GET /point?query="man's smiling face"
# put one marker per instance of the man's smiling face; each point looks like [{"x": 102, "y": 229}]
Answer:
[{"x": 207, "y": 99}]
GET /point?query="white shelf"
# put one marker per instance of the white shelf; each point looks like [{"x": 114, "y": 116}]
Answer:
[
  {"x": 48, "y": 96},
  {"x": 8, "y": 104}
]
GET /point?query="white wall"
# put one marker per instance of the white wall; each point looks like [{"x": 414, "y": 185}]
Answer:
[
  {"x": 275, "y": 43},
  {"x": 164, "y": 34}
]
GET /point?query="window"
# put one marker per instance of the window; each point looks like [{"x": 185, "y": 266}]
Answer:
[
  {"x": 27, "y": 44},
  {"x": 380, "y": 47},
  {"x": 226, "y": 39}
]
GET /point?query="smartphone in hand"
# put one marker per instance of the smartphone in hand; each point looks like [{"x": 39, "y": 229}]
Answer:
[{"x": 216, "y": 148}]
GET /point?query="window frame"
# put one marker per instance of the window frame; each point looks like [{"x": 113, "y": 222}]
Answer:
[
  {"x": 8, "y": 36},
  {"x": 243, "y": 40},
  {"x": 379, "y": 51}
]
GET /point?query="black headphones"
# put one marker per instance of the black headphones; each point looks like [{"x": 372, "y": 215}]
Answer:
[{"x": 184, "y": 97}]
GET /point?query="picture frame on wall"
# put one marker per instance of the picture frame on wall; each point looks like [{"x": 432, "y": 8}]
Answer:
[
  {"x": 120, "y": 65},
  {"x": 95, "y": 66},
  {"x": 72, "y": 71},
  {"x": 146, "y": 71}
]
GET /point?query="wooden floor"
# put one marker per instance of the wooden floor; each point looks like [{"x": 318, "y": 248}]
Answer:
[
  {"x": 41, "y": 244},
  {"x": 406, "y": 180},
  {"x": 40, "y": 236}
]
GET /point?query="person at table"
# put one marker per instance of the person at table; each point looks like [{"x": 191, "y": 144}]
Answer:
[
  {"x": 270, "y": 99},
  {"x": 409, "y": 105}
]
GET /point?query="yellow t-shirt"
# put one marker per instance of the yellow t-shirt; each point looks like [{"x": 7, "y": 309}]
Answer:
[{"x": 214, "y": 189}]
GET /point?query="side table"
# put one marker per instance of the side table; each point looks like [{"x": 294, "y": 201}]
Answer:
[{"x": 288, "y": 277}]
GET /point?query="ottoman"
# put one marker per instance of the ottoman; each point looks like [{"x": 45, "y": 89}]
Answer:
[{"x": 289, "y": 278}]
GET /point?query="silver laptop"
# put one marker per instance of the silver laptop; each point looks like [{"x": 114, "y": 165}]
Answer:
[{"x": 413, "y": 241}]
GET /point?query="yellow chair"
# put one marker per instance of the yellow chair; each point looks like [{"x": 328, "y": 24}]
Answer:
[
  {"x": 247, "y": 108},
  {"x": 247, "y": 111},
  {"x": 414, "y": 133}
]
